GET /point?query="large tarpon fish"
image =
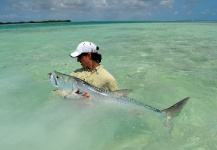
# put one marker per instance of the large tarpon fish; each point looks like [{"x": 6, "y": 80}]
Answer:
[{"x": 74, "y": 87}]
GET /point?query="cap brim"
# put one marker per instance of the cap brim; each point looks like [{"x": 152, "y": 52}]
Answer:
[{"x": 74, "y": 54}]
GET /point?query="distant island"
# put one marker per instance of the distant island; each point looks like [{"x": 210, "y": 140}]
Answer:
[{"x": 47, "y": 21}]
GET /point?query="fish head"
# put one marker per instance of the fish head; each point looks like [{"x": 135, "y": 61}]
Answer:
[
  {"x": 53, "y": 79},
  {"x": 62, "y": 81}
]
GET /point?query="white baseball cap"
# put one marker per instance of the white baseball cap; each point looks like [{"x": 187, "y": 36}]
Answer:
[{"x": 85, "y": 47}]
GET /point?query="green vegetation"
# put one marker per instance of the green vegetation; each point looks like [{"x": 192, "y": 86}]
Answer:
[{"x": 47, "y": 21}]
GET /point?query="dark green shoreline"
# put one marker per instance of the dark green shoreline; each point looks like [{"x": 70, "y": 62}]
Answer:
[{"x": 47, "y": 21}]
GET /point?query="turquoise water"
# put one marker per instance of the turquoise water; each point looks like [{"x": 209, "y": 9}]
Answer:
[{"x": 161, "y": 62}]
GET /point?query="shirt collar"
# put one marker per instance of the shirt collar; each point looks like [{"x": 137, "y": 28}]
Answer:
[{"x": 97, "y": 69}]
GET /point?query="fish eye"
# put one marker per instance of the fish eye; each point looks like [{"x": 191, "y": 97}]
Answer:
[{"x": 57, "y": 77}]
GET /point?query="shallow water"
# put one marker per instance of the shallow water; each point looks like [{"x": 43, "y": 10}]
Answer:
[{"x": 161, "y": 62}]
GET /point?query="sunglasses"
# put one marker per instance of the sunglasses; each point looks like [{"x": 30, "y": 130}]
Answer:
[{"x": 81, "y": 55}]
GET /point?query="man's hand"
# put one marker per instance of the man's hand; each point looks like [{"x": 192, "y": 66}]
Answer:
[
  {"x": 77, "y": 94},
  {"x": 84, "y": 94}
]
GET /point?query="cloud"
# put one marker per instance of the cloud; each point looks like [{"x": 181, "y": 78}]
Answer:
[
  {"x": 209, "y": 12},
  {"x": 175, "y": 13},
  {"x": 32, "y": 5},
  {"x": 11, "y": 16},
  {"x": 167, "y": 3},
  {"x": 94, "y": 10},
  {"x": 196, "y": 1},
  {"x": 87, "y": 9},
  {"x": 95, "y": 5}
]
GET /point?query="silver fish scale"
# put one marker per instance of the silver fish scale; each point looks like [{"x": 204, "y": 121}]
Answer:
[{"x": 86, "y": 87}]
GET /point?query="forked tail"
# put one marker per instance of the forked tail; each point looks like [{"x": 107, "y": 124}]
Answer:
[{"x": 173, "y": 111}]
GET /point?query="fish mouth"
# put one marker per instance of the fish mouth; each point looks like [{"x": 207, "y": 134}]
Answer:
[{"x": 49, "y": 74}]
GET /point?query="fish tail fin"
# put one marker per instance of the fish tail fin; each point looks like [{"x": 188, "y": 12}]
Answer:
[{"x": 173, "y": 111}]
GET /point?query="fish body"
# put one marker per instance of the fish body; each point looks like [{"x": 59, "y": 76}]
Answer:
[{"x": 75, "y": 86}]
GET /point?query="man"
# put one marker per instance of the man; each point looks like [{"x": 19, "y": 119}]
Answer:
[{"x": 92, "y": 71}]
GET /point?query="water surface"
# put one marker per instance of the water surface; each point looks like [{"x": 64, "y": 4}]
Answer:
[{"x": 162, "y": 62}]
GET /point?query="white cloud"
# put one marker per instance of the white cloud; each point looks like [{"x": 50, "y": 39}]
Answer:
[
  {"x": 196, "y": 1},
  {"x": 209, "y": 12},
  {"x": 90, "y": 4},
  {"x": 87, "y": 10},
  {"x": 167, "y": 3},
  {"x": 8, "y": 16},
  {"x": 175, "y": 13}
]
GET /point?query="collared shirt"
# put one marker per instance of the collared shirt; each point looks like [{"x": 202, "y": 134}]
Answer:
[{"x": 99, "y": 77}]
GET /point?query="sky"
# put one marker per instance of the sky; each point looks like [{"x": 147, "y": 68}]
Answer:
[{"x": 107, "y": 10}]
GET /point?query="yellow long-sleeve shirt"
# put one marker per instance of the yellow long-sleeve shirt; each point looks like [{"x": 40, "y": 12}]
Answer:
[{"x": 99, "y": 77}]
